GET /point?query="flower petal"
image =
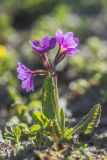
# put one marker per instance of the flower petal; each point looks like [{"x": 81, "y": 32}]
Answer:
[
  {"x": 76, "y": 39},
  {"x": 26, "y": 76},
  {"x": 38, "y": 49},
  {"x": 52, "y": 43},
  {"x": 72, "y": 51},
  {"x": 31, "y": 84},
  {"x": 36, "y": 46},
  {"x": 28, "y": 84},
  {"x": 35, "y": 43},
  {"x": 45, "y": 42},
  {"x": 68, "y": 35},
  {"x": 24, "y": 84},
  {"x": 59, "y": 36}
]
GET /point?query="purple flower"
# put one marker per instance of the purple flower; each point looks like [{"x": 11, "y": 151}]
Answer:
[
  {"x": 26, "y": 76},
  {"x": 46, "y": 44},
  {"x": 67, "y": 42}
]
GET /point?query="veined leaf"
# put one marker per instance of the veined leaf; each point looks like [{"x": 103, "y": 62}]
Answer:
[
  {"x": 56, "y": 127},
  {"x": 67, "y": 137},
  {"x": 68, "y": 133},
  {"x": 91, "y": 120},
  {"x": 48, "y": 98},
  {"x": 56, "y": 131}
]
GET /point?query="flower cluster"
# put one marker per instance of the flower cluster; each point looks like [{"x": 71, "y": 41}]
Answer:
[{"x": 67, "y": 46}]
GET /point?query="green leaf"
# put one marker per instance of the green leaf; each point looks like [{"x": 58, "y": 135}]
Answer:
[
  {"x": 48, "y": 98},
  {"x": 35, "y": 128},
  {"x": 13, "y": 134},
  {"x": 40, "y": 117},
  {"x": 17, "y": 132},
  {"x": 24, "y": 128},
  {"x": 67, "y": 133},
  {"x": 8, "y": 134},
  {"x": 91, "y": 120},
  {"x": 62, "y": 116}
]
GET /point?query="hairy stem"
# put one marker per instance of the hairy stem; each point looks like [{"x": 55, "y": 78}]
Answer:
[{"x": 56, "y": 100}]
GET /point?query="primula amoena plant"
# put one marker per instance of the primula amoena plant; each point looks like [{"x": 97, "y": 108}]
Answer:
[
  {"x": 52, "y": 116},
  {"x": 50, "y": 122}
]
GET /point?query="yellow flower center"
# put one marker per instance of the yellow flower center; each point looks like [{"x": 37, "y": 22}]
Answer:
[
  {"x": 3, "y": 52},
  {"x": 62, "y": 49}
]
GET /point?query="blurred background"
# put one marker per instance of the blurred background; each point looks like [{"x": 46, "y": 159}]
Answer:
[{"x": 82, "y": 78}]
